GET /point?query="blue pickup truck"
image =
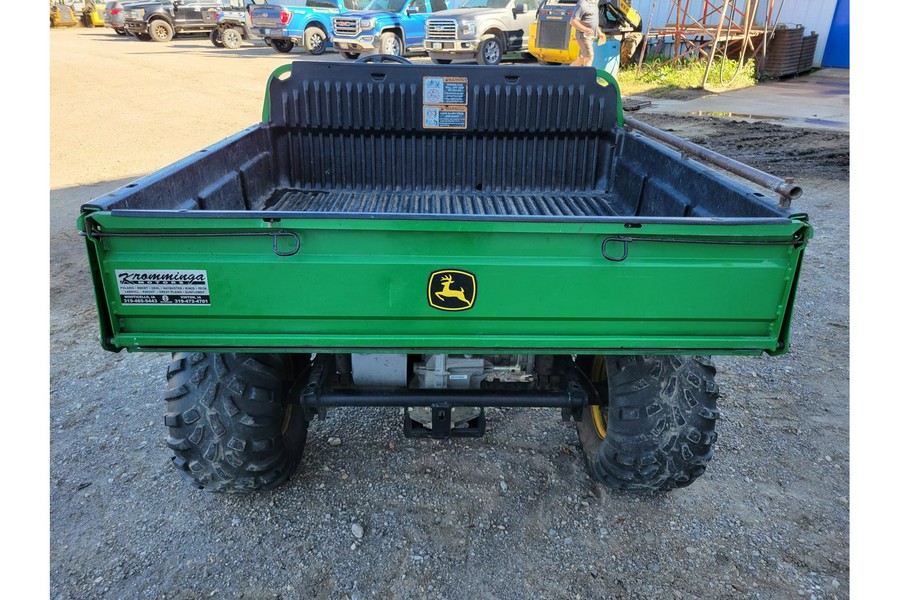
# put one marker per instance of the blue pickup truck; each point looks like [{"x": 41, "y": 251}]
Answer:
[
  {"x": 297, "y": 22},
  {"x": 384, "y": 26}
]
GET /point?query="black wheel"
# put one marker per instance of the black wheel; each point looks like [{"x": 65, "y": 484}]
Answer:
[
  {"x": 121, "y": 31},
  {"x": 230, "y": 426},
  {"x": 161, "y": 31},
  {"x": 144, "y": 37},
  {"x": 315, "y": 41},
  {"x": 441, "y": 61},
  {"x": 384, "y": 58},
  {"x": 391, "y": 44},
  {"x": 283, "y": 46},
  {"x": 350, "y": 55},
  {"x": 651, "y": 423},
  {"x": 490, "y": 51},
  {"x": 215, "y": 36},
  {"x": 231, "y": 38}
]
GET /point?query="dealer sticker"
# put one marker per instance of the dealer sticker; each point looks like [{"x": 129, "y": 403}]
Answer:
[{"x": 139, "y": 286}]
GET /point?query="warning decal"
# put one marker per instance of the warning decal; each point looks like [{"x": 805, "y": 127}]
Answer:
[
  {"x": 444, "y": 102},
  {"x": 162, "y": 287}
]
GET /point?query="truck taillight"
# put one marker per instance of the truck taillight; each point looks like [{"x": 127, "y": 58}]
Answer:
[
  {"x": 115, "y": 11},
  {"x": 286, "y": 17}
]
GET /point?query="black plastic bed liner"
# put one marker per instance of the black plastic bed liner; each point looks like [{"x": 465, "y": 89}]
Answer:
[{"x": 443, "y": 203}]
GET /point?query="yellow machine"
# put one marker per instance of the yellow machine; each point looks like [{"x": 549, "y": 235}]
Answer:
[
  {"x": 62, "y": 15},
  {"x": 93, "y": 14},
  {"x": 552, "y": 37}
]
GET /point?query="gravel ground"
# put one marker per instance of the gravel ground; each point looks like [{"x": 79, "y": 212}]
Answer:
[{"x": 374, "y": 515}]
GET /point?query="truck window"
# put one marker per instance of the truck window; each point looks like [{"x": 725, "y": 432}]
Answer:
[
  {"x": 388, "y": 5},
  {"x": 484, "y": 3},
  {"x": 419, "y": 4},
  {"x": 437, "y": 5},
  {"x": 321, "y": 3}
]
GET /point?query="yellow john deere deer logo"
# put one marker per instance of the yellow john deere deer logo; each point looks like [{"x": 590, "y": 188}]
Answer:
[{"x": 451, "y": 289}]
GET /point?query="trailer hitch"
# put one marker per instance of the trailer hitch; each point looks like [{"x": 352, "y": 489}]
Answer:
[{"x": 316, "y": 394}]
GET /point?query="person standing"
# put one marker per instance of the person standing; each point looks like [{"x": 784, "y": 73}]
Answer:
[{"x": 586, "y": 21}]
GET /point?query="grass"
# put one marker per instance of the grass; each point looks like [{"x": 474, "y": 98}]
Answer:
[{"x": 661, "y": 79}]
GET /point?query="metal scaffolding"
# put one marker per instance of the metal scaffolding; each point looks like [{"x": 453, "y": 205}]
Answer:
[{"x": 722, "y": 28}]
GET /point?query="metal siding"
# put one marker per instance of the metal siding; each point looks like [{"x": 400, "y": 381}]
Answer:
[{"x": 814, "y": 15}]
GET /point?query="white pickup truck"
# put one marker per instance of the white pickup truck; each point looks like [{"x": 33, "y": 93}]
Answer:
[{"x": 483, "y": 30}]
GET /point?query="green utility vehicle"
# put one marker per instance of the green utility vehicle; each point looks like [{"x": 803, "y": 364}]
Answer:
[{"x": 442, "y": 239}]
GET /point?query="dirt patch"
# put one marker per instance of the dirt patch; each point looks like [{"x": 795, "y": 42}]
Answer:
[{"x": 509, "y": 515}]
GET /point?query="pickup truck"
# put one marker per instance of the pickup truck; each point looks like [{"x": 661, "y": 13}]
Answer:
[
  {"x": 297, "y": 22},
  {"x": 441, "y": 240},
  {"x": 161, "y": 21},
  {"x": 392, "y": 27},
  {"x": 483, "y": 30}
]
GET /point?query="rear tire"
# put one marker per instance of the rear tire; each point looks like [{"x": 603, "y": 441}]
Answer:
[
  {"x": 441, "y": 61},
  {"x": 283, "y": 46},
  {"x": 144, "y": 37},
  {"x": 315, "y": 41},
  {"x": 215, "y": 36},
  {"x": 230, "y": 426},
  {"x": 350, "y": 55},
  {"x": 121, "y": 32},
  {"x": 651, "y": 425},
  {"x": 161, "y": 31}
]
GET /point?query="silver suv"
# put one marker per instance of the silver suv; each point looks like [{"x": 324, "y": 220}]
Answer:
[{"x": 481, "y": 29}]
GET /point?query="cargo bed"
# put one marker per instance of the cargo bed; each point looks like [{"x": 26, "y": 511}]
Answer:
[{"x": 329, "y": 227}]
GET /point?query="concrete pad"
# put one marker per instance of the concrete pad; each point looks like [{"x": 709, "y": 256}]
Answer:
[{"x": 820, "y": 99}]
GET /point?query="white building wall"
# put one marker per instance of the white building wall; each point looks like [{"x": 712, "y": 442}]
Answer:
[{"x": 814, "y": 15}]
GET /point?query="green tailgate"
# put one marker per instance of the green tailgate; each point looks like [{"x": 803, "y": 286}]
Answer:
[{"x": 362, "y": 285}]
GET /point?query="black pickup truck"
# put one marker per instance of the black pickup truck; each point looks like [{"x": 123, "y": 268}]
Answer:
[{"x": 160, "y": 21}]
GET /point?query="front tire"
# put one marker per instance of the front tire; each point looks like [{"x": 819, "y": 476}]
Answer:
[
  {"x": 230, "y": 425},
  {"x": 231, "y": 38},
  {"x": 315, "y": 41},
  {"x": 161, "y": 31},
  {"x": 283, "y": 46},
  {"x": 490, "y": 51},
  {"x": 651, "y": 423},
  {"x": 391, "y": 44}
]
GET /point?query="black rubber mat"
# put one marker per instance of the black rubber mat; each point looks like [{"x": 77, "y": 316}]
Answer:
[{"x": 443, "y": 203}]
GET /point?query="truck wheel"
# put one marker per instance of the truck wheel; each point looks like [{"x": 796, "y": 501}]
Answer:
[
  {"x": 490, "y": 51},
  {"x": 391, "y": 44},
  {"x": 283, "y": 46},
  {"x": 315, "y": 41},
  {"x": 230, "y": 426},
  {"x": 215, "y": 36},
  {"x": 350, "y": 55},
  {"x": 651, "y": 423},
  {"x": 231, "y": 38},
  {"x": 441, "y": 61},
  {"x": 121, "y": 31},
  {"x": 144, "y": 37},
  {"x": 161, "y": 31}
]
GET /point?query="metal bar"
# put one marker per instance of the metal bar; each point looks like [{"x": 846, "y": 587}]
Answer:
[
  {"x": 477, "y": 398},
  {"x": 783, "y": 187}
]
